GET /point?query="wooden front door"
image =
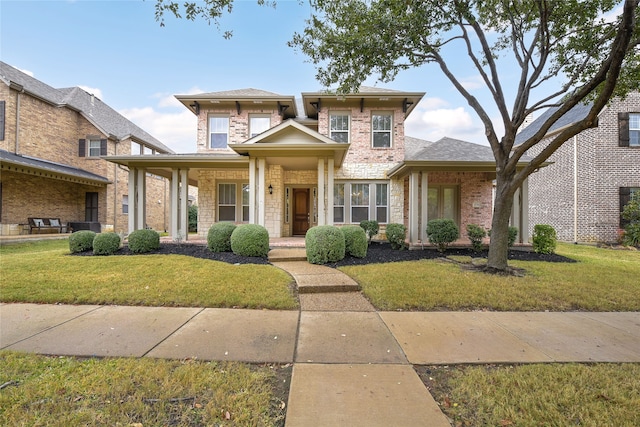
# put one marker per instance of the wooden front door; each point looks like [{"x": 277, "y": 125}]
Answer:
[{"x": 300, "y": 211}]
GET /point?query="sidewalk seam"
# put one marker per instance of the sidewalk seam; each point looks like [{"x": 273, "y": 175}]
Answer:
[{"x": 173, "y": 332}]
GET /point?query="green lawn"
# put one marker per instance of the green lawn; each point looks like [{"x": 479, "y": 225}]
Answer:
[
  {"x": 45, "y": 272},
  {"x": 601, "y": 280}
]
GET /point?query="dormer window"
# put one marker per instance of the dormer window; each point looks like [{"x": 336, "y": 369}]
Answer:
[
  {"x": 218, "y": 131},
  {"x": 339, "y": 127},
  {"x": 381, "y": 125}
]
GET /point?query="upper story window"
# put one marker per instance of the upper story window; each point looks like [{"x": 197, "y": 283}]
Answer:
[
  {"x": 628, "y": 129},
  {"x": 258, "y": 124},
  {"x": 634, "y": 129},
  {"x": 136, "y": 148},
  {"x": 339, "y": 127},
  {"x": 218, "y": 131},
  {"x": 381, "y": 125},
  {"x": 92, "y": 147}
]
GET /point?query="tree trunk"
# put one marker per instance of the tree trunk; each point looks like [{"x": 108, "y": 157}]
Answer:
[{"x": 499, "y": 245}]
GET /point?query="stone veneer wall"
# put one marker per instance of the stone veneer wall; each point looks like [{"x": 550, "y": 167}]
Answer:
[{"x": 603, "y": 167}]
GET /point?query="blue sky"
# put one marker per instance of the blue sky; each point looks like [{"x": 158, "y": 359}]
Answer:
[{"x": 117, "y": 50}]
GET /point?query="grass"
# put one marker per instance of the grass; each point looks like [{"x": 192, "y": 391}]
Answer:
[
  {"x": 537, "y": 395},
  {"x": 65, "y": 391},
  {"x": 44, "y": 272},
  {"x": 601, "y": 280}
]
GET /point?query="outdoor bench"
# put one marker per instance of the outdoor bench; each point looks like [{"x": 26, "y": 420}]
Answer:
[{"x": 46, "y": 225}]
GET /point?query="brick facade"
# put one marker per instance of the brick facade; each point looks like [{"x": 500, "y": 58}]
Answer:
[{"x": 602, "y": 167}]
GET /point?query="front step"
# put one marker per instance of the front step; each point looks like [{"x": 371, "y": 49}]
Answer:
[{"x": 287, "y": 254}]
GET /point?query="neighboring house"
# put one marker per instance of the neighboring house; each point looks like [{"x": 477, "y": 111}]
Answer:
[
  {"x": 592, "y": 176},
  {"x": 51, "y": 146},
  {"x": 292, "y": 164}
]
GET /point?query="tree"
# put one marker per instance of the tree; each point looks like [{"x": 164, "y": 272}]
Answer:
[{"x": 569, "y": 41}]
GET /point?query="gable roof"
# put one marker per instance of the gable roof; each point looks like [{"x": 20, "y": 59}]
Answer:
[
  {"x": 577, "y": 113},
  {"x": 105, "y": 118}
]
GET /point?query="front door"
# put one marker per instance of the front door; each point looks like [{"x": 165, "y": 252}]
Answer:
[{"x": 300, "y": 211}]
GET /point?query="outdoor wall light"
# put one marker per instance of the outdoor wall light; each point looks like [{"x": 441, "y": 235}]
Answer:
[{"x": 270, "y": 189}]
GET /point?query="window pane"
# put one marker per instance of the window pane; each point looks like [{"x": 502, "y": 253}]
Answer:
[
  {"x": 381, "y": 195},
  {"x": 340, "y": 136},
  {"x": 338, "y": 194},
  {"x": 245, "y": 213},
  {"x": 360, "y": 194},
  {"x": 432, "y": 201},
  {"x": 381, "y": 122},
  {"x": 338, "y": 213},
  {"x": 227, "y": 213},
  {"x": 219, "y": 130},
  {"x": 381, "y": 214},
  {"x": 227, "y": 194},
  {"x": 339, "y": 128},
  {"x": 449, "y": 203},
  {"x": 381, "y": 140},
  {"x": 94, "y": 148},
  {"x": 257, "y": 125},
  {"x": 359, "y": 214},
  {"x": 218, "y": 140},
  {"x": 634, "y": 138},
  {"x": 245, "y": 194},
  {"x": 634, "y": 121}
]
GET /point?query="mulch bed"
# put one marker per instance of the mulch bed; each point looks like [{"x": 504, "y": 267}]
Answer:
[{"x": 377, "y": 253}]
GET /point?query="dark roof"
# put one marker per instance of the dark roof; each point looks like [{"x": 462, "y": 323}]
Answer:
[
  {"x": 54, "y": 170},
  {"x": 97, "y": 112},
  {"x": 447, "y": 150},
  {"x": 577, "y": 113}
]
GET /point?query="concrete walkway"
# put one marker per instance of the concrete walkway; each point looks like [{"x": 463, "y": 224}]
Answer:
[{"x": 352, "y": 364}]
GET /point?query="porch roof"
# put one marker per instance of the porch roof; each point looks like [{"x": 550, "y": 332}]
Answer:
[{"x": 12, "y": 162}]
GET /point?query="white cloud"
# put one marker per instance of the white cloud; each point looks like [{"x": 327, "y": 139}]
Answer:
[
  {"x": 92, "y": 90},
  {"x": 169, "y": 99},
  {"x": 177, "y": 130},
  {"x": 432, "y": 121},
  {"x": 472, "y": 82},
  {"x": 613, "y": 15}
]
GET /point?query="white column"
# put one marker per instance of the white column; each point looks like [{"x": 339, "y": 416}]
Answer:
[
  {"x": 261, "y": 191},
  {"x": 133, "y": 184},
  {"x": 321, "y": 212},
  {"x": 141, "y": 199},
  {"x": 252, "y": 190},
  {"x": 413, "y": 207},
  {"x": 424, "y": 194},
  {"x": 175, "y": 195},
  {"x": 184, "y": 199},
  {"x": 330, "y": 194}
]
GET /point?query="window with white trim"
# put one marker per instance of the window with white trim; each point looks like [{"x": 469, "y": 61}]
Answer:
[
  {"x": 339, "y": 127},
  {"x": 381, "y": 126},
  {"x": 94, "y": 146},
  {"x": 634, "y": 129},
  {"x": 218, "y": 131},
  {"x": 364, "y": 201},
  {"x": 229, "y": 194},
  {"x": 125, "y": 204},
  {"x": 258, "y": 124}
]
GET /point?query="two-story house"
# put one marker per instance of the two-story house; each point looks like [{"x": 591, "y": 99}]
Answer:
[
  {"x": 292, "y": 164},
  {"x": 52, "y": 143},
  {"x": 592, "y": 176}
]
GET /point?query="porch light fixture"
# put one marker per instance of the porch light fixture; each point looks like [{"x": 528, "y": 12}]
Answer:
[{"x": 270, "y": 189}]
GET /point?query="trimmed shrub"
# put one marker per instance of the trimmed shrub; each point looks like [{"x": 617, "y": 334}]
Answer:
[
  {"x": 250, "y": 240},
  {"x": 544, "y": 239},
  {"x": 442, "y": 232},
  {"x": 475, "y": 233},
  {"x": 325, "y": 243},
  {"x": 396, "y": 235},
  {"x": 219, "y": 236},
  {"x": 81, "y": 241},
  {"x": 106, "y": 244},
  {"x": 143, "y": 241},
  {"x": 355, "y": 240},
  {"x": 631, "y": 213},
  {"x": 370, "y": 227}
]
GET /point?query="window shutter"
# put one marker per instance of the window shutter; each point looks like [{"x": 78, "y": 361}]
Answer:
[
  {"x": 103, "y": 147},
  {"x": 2, "y": 106},
  {"x": 623, "y": 129},
  {"x": 625, "y": 196},
  {"x": 82, "y": 147}
]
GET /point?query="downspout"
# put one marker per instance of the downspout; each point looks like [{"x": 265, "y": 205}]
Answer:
[{"x": 575, "y": 189}]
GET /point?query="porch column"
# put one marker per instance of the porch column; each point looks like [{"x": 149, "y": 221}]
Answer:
[
  {"x": 261, "y": 202},
  {"x": 252, "y": 191},
  {"x": 184, "y": 205},
  {"x": 133, "y": 185},
  {"x": 175, "y": 205},
  {"x": 330, "y": 191},
  {"x": 141, "y": 199},
  {"x": 413, "y": 207},
  {"x": 424, "y": 194},
  {"x": 321, "y": 212}
]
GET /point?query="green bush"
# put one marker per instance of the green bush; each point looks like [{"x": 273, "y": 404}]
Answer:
[
  {"x": 324, "y": 243},
  {"x": 81, "y": 241},
  {"x": 355, "y": 240},
  {"x": 370, "y": 227},
  {"x": 442, "y": 232},
  {"x": 219, "y": 237},
  {"x": 513, "y": 235},
  {"x": 250, "y": 240},
  {"x": 632, "y": 234},
  {"x": 193, "y": 218},
  {"x": 143, "y": 241},
  {"x": 544, "y": 239},
  {"x": 475, "y": 233},
  {"x": 106, "y": 244},
  {"x": 631, "y": 213},
  {"x": 396, "y": 235}
]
